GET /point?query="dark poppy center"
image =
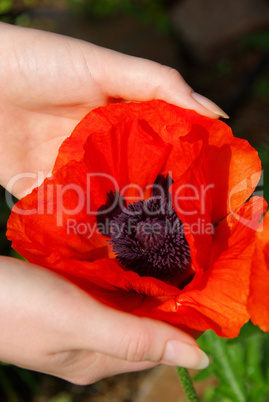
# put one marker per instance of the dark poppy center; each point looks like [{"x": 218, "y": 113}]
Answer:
[{"x": 148, "y": 237}]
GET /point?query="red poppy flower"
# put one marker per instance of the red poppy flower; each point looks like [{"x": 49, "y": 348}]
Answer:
[
  {"x": 146, "y": 210},
  {"x": 258, "y": 302}
]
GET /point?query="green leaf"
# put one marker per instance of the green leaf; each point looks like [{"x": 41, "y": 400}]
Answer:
[
  {"x": 204, "y": 374},
  {"x": 5, "y": 6},
  {"x": 241, "y": 365},
  {"x": 247, "y": 331},
  {"x": 225, "y": 366},
  {"x": 61, "y": 398},
  {"x": 13, "y": 253}
]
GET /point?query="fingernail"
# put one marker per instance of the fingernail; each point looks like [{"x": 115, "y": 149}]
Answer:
[
  {"x": 209, "y": 105},
  {"x": 184, "y": 355},
  {"x": 204, "y": 363}
]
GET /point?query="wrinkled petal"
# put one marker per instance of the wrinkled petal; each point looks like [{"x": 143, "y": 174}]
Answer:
[
  {"x": 108, "y": 275},
  {"x": 133, "y": 157},
  {"x": 155, "y": 114},
  {"x": 53, "y": 223},
  {"x": 192, "y": 200},
  {"x": 122, "y": 148},
  {"x": 220, "y": 294},
  {"x": 258, "y": 302},
  {"x": 231, "y": 165}
]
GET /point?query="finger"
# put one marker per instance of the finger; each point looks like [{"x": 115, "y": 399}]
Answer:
[
  {"x": 38, "y": 302},
  {"x": 132, "y": 338},
  {"x": 51, "y": 315},
  {"x": 137, "y": 79},
  {"x": 86, "y": 367}
]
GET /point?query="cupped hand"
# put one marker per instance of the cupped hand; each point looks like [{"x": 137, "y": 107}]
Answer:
[
  {"x": 48, "y": 82},
  {"x": 50, "y": 325}
]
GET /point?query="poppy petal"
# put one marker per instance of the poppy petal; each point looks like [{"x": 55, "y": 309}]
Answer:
[
  {"x": 53, "y": 222},
  {"x": 158, "y": 114},
  {"x": 258, "y": 302},
  {"x": 192, "y": 200},
  {"x": 224, "y": 156},
  {"x": 134, "y": 157},
  {"x": 133, "y": 144},
  {"x": 229, "y": 273}
]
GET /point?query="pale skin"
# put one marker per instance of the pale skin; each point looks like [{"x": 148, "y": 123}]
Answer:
[{"x": 48, "y": 83}]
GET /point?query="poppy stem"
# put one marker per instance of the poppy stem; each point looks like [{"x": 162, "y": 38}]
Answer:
[{"x": 187, "y": 384}]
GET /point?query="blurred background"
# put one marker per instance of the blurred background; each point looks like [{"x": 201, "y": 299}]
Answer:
[{"x": 222, "y": 51}]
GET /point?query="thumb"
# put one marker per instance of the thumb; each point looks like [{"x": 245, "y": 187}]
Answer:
[
  {"x": 135, "y": 339},
  {"x": 137, "y": 79}
]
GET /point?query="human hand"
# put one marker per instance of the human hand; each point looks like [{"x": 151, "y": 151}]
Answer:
[
  {"x": 50, "y": 325},
  {"x": 48, "y": 82}
]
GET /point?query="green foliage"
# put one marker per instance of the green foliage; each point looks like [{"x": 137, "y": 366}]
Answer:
[
  {"x": 23, "y": 20},
  {"x": 149, "y": 11},
  {"x": 30, "y": 3},
  {"x": 14, "y": 254},
  {"x": 240, "y": 366},
  {"x": 258, "y": 40},
  {"x": 263, "y": 151},
  {"x": 261, "y": 87},
  {"x": 13, "y": 380},
  {"x": 61, "y": 398},
  {"x": 5, "y": 6}
]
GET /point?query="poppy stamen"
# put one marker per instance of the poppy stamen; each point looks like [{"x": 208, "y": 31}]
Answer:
[{"x": 148, "y": 238}]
